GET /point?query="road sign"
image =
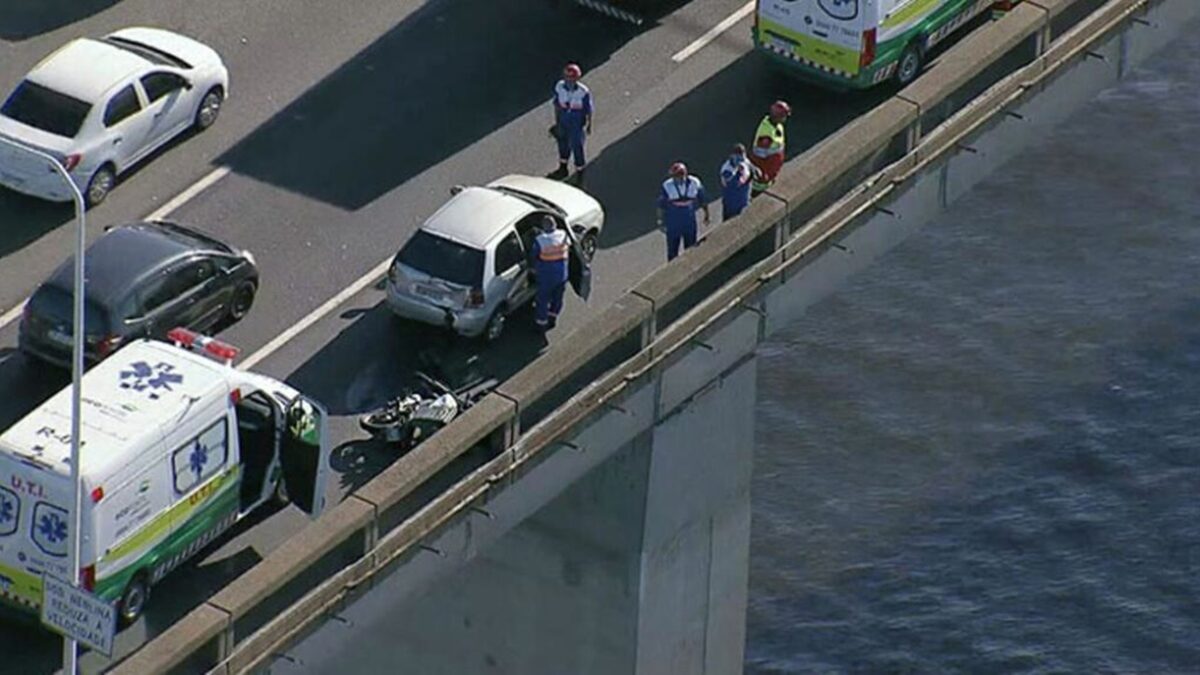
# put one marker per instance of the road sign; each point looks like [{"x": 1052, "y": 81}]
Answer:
[{"x": 78, "y": 614}]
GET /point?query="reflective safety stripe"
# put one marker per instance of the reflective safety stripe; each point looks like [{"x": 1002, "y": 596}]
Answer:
[
  {"x": 683, "y": 195},
  {"x": 571, "y": 99},
  {"x": 553, "y": 253},
  {"x": 772, "y": 131},
  {"x": 552, "y": 246}
]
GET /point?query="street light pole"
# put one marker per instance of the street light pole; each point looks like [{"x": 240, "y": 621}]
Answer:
[{"x": 70, "y": 647}]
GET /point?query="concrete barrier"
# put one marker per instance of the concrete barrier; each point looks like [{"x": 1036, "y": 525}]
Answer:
[{"x": 807, "y": 220}]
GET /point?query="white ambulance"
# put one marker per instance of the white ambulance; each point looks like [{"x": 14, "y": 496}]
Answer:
[
  {"x": 854, "y": 44},
  {"x": 176, "y": 446}
]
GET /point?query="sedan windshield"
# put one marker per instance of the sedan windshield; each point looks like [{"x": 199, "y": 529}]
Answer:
[
  {"x": 46, "y": 109},
  {"x": 443, "y": 259}
]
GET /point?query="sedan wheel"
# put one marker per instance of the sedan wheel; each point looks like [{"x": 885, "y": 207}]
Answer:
[
  {"x": 100, "y": 185},
  {"x": 210, "y": 109},
  {"x": 243, "y": 299}
]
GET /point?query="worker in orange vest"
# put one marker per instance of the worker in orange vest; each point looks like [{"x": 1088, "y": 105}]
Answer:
[{"x": 767, "y": 156}]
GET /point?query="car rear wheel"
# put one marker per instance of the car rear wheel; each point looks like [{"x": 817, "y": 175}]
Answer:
[
  {"x": 243, "y": 299},
  {"x": 495, "y": 325},
  {"x": 209, "y": 109},
  {"x": 133, "y": 600},
  {"x": 100, "y": 184},
  {"x": 911, "y": 62}
]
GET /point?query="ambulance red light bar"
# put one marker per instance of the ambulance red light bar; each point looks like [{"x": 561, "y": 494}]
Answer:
[{"x": 202, "y": 343}]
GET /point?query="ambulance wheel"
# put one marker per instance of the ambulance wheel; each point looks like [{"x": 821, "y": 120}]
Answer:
[
  {"x": 910, "y": 64},
  {"x": 495, "y": 325},
  {"x": 133, "y": 600},
  {"x": 588, "y": 244}
]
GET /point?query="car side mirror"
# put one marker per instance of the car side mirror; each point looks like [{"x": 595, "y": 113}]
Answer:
[
  {"x": 187, "y": 84},
  {"x": 455, "y": 189}
]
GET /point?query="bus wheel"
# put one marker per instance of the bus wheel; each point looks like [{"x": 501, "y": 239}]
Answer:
[
  {"x": 133, "y": 600},
  {"x": 910, "y": 64}
]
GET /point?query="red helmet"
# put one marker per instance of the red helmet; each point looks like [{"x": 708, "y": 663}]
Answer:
[
  {"x": 781, "y": 109},
  {"x": 572, "y": 71},
  {"x": 679, "y": 169}
]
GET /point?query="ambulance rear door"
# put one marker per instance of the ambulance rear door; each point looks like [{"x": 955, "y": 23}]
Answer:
[{"x": 827, "y": 33}]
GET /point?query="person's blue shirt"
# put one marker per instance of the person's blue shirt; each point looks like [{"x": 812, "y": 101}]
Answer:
[
  {"x": 679, "y": 199},
  {"x": 735, "y": 185}
]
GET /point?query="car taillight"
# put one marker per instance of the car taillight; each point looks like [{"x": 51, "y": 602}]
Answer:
[
  {"x": 394, "y": 274},
  {"x": 87, "y": 577},
  {"x": 107, "y": 345},
  {"x": 867, "y": 56},
  {"x": 475, "y": 298},
  {"x": 72, "y": 161}
]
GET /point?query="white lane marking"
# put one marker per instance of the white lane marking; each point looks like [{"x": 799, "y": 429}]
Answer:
[
  {"x": 316, "y": 315},
  {"x": 714, "y": 32},
  {"x": 188, "y": 194},
  {"x": 161, "y": 212},
  {"x": 11, "y": 315}
]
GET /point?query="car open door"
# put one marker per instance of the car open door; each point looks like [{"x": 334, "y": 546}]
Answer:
[
  {"x": 579, "y": 268},
  {"x": 305, "y": 454}
]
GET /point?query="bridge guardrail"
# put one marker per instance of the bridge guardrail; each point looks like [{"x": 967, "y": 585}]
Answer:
[{"x": 874, "y": 154}]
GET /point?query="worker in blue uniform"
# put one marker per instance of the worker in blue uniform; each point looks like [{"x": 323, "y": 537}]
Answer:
[
  {"x": 572, "y": 102},
  {"x": 549, "y": 255},
  {"x": 736, "y": 173},
  {"x": 681, "y": 196}
]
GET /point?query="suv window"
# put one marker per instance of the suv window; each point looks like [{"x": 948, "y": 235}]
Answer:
[
  {"x": 46, "y": 109},
  {"x": 158, "y": 85},
  {"x": 443, "y": 259},
  {"x": 509, "y": 253},
  {"x": 121, "y": 106},
  {"x": 176, "y": 282}
]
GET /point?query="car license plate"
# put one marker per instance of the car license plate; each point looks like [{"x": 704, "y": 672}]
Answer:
[
  {"x": 428, "y": 291},
  {"x": 59, "y": 336}
]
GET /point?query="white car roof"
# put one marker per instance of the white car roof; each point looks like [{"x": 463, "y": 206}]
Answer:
[
  {"x": 127, "y": 402},
  {"x": 86, "y": 69},
  {"x": 476, "y": 215}
]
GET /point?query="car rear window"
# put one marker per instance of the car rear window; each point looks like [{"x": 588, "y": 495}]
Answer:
[
  {"x": 55, "y": 304},
  {"x": 443, "y": 259},
  {"x": 43, "y": 108}
]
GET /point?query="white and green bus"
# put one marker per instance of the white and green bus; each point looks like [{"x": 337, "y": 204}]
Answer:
[{"x": 855, "y": 44}]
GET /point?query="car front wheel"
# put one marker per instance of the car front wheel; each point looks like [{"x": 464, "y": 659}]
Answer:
[
  {"x": 243, "y": 299},
  {"x": 209, "y": 109},
  {"x": 588, "y": 244},
  {"x": 495, "y": 325}
]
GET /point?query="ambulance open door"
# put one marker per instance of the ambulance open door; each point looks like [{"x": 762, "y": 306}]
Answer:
[{"x": 305, "y": 454}]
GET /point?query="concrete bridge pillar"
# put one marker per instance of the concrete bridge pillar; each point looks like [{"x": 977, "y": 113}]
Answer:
[{"x": 639, "y": 568}]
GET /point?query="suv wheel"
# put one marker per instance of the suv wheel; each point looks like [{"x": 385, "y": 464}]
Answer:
[{"x": 588, "y": 244}]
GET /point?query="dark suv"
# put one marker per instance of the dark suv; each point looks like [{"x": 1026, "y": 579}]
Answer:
[{"x": 142, "y": 280}]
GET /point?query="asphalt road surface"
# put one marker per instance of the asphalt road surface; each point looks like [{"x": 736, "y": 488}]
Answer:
[{"x": 343, "y": 131}]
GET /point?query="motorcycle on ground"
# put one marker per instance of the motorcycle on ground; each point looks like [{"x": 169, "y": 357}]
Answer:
[{"x": 409, "y": 419}]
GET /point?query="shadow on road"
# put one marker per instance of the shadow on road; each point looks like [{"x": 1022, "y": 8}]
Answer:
[
  {"x": 28, "y": 383},
  {"x": 425, "y": 90},
  {"x": 700, "y": 128},
  {"x": 376, "y": 354},
  {"x": 23, "y": 19}
]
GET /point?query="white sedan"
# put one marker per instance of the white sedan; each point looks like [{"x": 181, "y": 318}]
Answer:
[{"x": 101, "y": 105}]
